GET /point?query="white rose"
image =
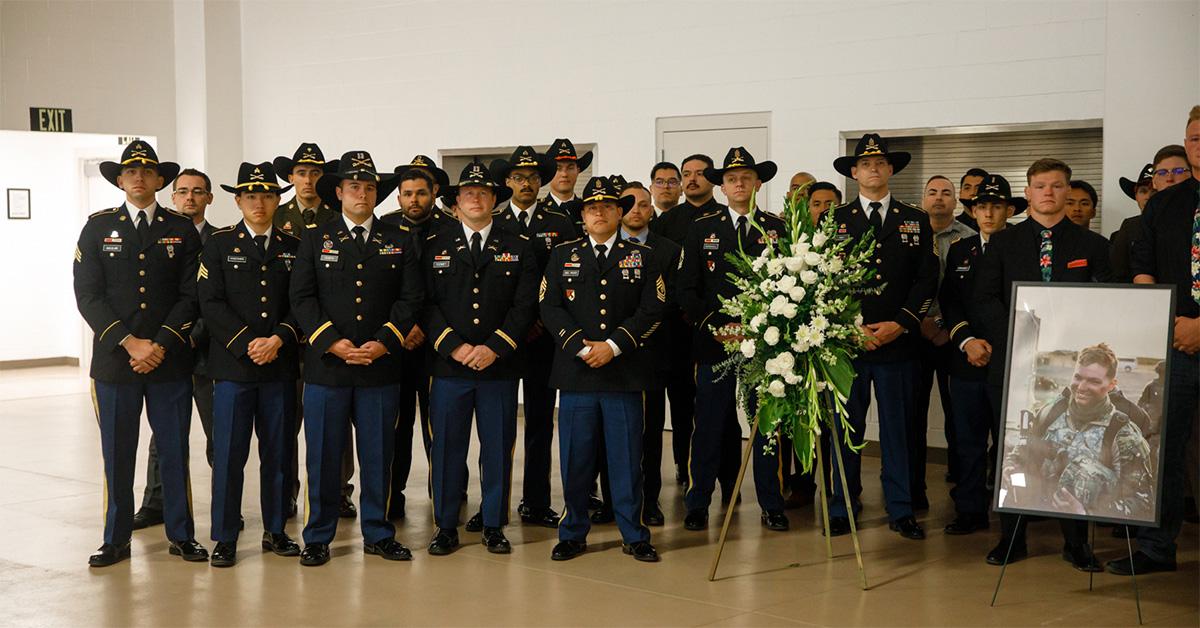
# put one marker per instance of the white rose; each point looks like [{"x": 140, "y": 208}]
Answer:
[
  {"x": 819, "y": 239},
  {"x": 771, "y": 336},
  {"x": 791, "y": 378},
  {"x": 778, "y": 305},
  {"x": 776, "y": 388},
  {"x": 808, "y": 276},
  {"x": 791, "y": 310},
  {"x": 766, "y": 287},
  {"x": 793, "y": 264},
  {"x": 786, "y": 283},
  {"x": 748, "y": 348},
  {"x": 785, "y": 362},
  {"x": 797, "y": 293},
  {"x": 758, "y": 263},
  {"x": 812, "y": 258},
  {"x": 757, "y": 321}
]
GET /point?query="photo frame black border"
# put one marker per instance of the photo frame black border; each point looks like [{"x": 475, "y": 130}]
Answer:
[{"x": 28, "y": 199}]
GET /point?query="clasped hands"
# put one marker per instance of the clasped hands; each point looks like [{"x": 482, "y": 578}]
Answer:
[
  {"x": 370, "y": 351},
  {"x": 474, "y": 357}
]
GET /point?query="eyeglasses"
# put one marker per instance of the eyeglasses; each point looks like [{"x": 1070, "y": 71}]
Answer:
[
  {"x": 1162, "y": 172},
  {"x": 520, "y": 178},
  {"x": 667, "y": 183}
]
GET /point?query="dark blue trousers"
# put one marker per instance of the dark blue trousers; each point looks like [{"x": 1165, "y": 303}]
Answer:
[
  {"x": 584, "y": 418},
  {"x": 539, "y": 426},
  {"x": 1183, "y": 397},
  {"x": 267, "y": 409},
  {"x": 894, "y": 388},
  {"x": 119, "y": 412},
  {"x": 973, "y": 419},
  {"x": 453, "y": 401},
  {"x": 328, "y": 411},
  {"x": 717, "y": 422}
]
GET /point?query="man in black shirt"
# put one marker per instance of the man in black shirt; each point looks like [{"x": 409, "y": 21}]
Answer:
[{"x": 1168, "y": 251}]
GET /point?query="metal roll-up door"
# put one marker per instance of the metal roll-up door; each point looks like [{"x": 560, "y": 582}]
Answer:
[{"x": 1006, "y": 151}]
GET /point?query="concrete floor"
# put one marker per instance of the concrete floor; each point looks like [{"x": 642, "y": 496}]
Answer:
[{"x": 51, "y": 520}]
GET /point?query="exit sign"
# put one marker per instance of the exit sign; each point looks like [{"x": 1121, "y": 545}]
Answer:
[{"x": 51, "y": 119}]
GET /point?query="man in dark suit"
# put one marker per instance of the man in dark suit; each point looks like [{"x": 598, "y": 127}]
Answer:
[
  {"x": 482, "y": 291},
  {"x": 191, "y": 194},
  {"x": 135, "y": 285},
  {"x": 703, "y": 282},
  {"x": 1121, "y": 241},
  {"x": 243, "y": 290},
  {"x": 906, "y": 270},
  {"x": 602, "y": 298},
  {"x": 1045, "y": 247},
  {"x": 969, "y": 394},
  {"x": 356, "y": 290},
  {"x": 546, "y": 226}
]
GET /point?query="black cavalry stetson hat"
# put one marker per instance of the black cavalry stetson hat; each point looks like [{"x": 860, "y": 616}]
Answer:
[
  {"x": 870, "y": 145},
  {"x": 523, "y": 157},
  {"x": 618, "y": 182},
  {"x": 423, "y": 162},
  {"x": 356, "y": 165},
  {"x": 603, "y": 189},
  {"x": 139, "y": 153},
  {"x": 477, "y": 174},
  {"x": 1129, "y": 187},
  {"x": 739, "y": 157},
  {"x": 256, "y": 178},
  {"x": 995, "y": 188},
  {"x": 306, "y": 153},
  {"x": 563, "y": 150}
]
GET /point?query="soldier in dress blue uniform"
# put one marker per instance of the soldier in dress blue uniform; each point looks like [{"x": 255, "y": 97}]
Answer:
[
  {"x": 602, "y": 298},
  {"x": 973, "y": 419},
  {"x": 356, "y": 290},
  {"x": 524, "y": 173},
  {"x": 568, "y": 166},
  {"x": 441, "y": 181},
  {"x": 482, "y": 284},
  {"x": 254, "y": 338},
  {"x": 906, "y": 266},
  {"x": 703, "y": 281},
  {"x": 135, "y": 285}
]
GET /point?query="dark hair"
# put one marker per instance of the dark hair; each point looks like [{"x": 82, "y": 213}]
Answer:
[
  {"x": 1047, "y": 164},
  {"x": 415, "y": 174},
  {"x": 825, "y": 185},
  {"x": 1168, "y": 151},
  {"x": 637, "y": 185},
  {"x": 698, "y": 157},
  {"x": 192, "y": 172},
  {"x": 938, "y": 176},
  {"x": 973, "y": 172},
  {"x": 1099, "y": 354},
  {"x": 664, "y": 165},
  {"x": 1080, "y": 184}
]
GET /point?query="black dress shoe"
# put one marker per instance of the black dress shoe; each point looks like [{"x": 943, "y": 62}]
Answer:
[
  {"x": 775, "y": 520},
  {"x": 495, "y": 542},
  {"x": 314, "y": 554},
  {"x": 908, "y": 528},
  {"x": 604, "y": 515},
  {"x": 346, "y": 509},
  {"x": 1019, "y": 552},
  {"x": 966, "y": 523},
  {"x": 594, "y": 502},
  {"x": 109, "y": 554},
  {"x": 566, "y": 550},
  {"x": 545, "y": 517},
  {"x": 146, "y": 517},
  {"x": 642, "y": 550},
  {"x": 1141, "y": 564},
  {"x": 839, "y": 526},
  {"x": 1081, "y": 557},
  {"x": 444, "y": 542},
  {"x": 189, "y": 550},
  {"x": 389, "y": 549},
  {"x": 224, "y": 554},
  {"x": 475, "y": 523},
  {"x": 280, "y": 544},
  {"x": 292, "y": 509},
  {"x": 696, "y": 520},
  {"x": 652, "y": 515}
]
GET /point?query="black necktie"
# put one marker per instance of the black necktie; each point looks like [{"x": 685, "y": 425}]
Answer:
[
  {"x": 601, "y": 253},
  {"x": 143, "y": 227},
  {"x": 360, "y": 236},
  {"x": 876, "y": 217},
  {"x": 524, "y": 217},
  {"x": 310, "y": 216},
  {"x": 476, "y": 247},
  {"x": 741, "y": 228},
  {"x": 635, "y": 239},
  {"x": 261, "y": 242}
]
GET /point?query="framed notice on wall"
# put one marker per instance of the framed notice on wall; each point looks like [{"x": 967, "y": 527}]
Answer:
[{"x": 18, "y": 204}]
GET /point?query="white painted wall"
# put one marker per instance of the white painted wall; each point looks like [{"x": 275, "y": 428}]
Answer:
[{"x": 39, "y": 318}]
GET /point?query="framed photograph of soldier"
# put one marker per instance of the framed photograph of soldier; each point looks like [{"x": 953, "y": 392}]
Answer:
[{"x": 1084, "y": 395}]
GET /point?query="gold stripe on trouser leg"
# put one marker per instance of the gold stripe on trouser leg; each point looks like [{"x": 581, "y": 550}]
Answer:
[
  {"x": 103, "y": 473},
  {"x": 387, "y": 504},
  {"x": 642, "y": 461},
  {"x": 429, "y": 456},
  {"x": 692, "y": 437}
]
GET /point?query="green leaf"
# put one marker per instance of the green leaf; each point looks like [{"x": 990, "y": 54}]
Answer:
[{"x": 841, "y": 373}]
